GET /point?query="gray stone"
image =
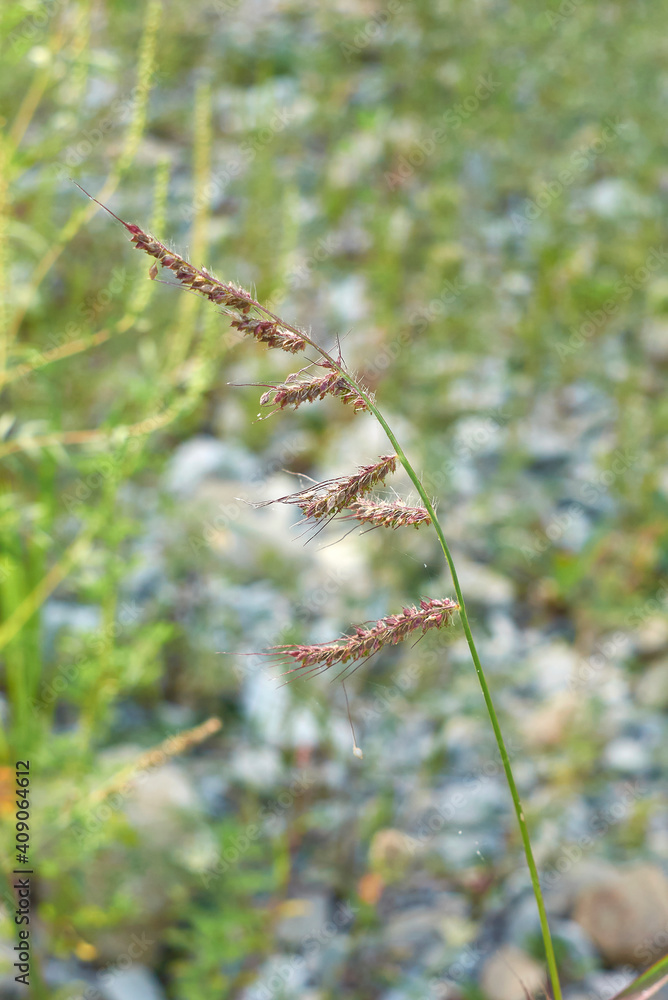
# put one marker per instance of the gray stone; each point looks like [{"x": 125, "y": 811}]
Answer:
[
  {"x": 414, "y": 934},
  {"x": 149, "y": 576},
  {"x": 657, "y": 833},
  {"x": 482, "y": 584},
  {"x": 562, "y": 893},
  {"x": 461, "y": 849},
  {"x": 57, "y": 615},
  {"x": 652, "y": 690},
  {"x": 626, "y": 915},
  {"x": 553, "y": 665},
  {"x": 349, "y": 300},
  {"x": 282, "y": 975},
  {"x": 654, "y": 338},
  {"x": 203, "y": 456},
  {"x": 266, "y": 704},
  {"x": 548, "y": 724},
  {"x": 652, "y": 635},
  {"x": 580, "y": 951},
  {"x": 474, "y": 801},
  {"x": 135, "y": 983},
  {"x": 600, "y": 985},
  {"x": 511, "y": 974},
  {"x": 614, "y": 197},
  {"x": 213, "y": 789},
  {"x": 504, "y": 642},
  {"x": 302, "y": 920},
  {"x": 57, "y": 973},
  {"x": 392, "y": 853},
  {"x": 627, "y": 755},
  {"x": 257, "y": 767},
  {"x": 161, "y": 804}
]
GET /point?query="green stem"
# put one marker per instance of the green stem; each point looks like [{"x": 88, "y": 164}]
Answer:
[{"x": 519, "y": 812}]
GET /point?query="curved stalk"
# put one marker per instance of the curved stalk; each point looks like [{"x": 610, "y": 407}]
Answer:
[
  {"x": 491, "y": 711},
  {"x": 160, "y": 252}
]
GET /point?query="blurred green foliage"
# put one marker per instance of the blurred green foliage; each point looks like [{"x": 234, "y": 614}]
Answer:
[{"x": 486, "y": 179}]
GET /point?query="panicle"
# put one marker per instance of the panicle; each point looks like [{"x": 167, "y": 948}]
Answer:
[
  {"x": 386, "y": 514},
  {"x": 367, "y": 640},
  {"x": 298, "y": 389}
]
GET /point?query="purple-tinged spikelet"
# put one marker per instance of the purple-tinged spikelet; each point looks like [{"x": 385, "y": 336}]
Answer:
[
  {"x": 367, "y": 640},
  {"x": 270, "y": 333},
  {"x": 386, "y": 514},
  {"x": 330, "y": 497},
  {"x": 235, "y": 301},
  {"x": 298, "y": 389}
]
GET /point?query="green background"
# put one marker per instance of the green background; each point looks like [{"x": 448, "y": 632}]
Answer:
[{"x": 471, "y": 196}]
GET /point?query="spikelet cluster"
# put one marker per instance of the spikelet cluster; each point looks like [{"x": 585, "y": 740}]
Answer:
[
  {"x": 270, "y": 333},
  {"x": 298, "y": 389},
  {"x": 386, "y": 514},
  {"x": 330, "y": 497},
  {"x": 235, "y": 301},
  {"x": 367, "y": 640}
]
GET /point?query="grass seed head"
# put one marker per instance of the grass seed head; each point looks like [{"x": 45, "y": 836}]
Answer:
[
  {"x": 330, "y": 497},
  {"x": 235, "y": 301},
  {"x": 270, "y": 333},
  {"x": 367, "y": 640},
  {"x": 298, "y": 389},
  {"x": 386, "y": 514}
]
